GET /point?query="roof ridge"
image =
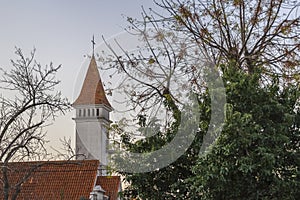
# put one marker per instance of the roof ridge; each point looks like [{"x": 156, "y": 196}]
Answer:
[{"x": 56, "y": 161}]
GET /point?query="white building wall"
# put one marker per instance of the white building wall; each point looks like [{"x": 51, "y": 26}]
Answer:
[{"x": 91, "y": 132}]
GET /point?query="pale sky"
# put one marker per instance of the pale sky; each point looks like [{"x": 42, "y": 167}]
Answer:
[{"x": 61, "y": 32}]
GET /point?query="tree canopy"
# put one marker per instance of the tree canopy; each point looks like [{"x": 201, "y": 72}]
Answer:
[
  {"x": 257, "y": 154},
  {"x": 254, "y": 47},
  {"x": 27, "y": 105}
]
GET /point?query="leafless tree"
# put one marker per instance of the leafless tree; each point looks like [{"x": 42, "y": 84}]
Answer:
[
  {"x": 253, "y": 34},
  {"x": 28, "y": 103},
  {"x": 181, "y": 36}
]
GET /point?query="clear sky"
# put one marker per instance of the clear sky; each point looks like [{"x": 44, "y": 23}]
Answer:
[{"x": 61, "y": 32}]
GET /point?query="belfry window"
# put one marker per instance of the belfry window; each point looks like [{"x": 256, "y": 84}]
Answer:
[{"x": 97, "y": 112}]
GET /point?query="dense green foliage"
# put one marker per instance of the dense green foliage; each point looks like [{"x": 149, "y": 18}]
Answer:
[
  {"x": 164, "y": 183},
  {"x": 257, "y": 155}
]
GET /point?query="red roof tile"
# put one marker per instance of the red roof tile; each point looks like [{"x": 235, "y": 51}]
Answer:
[
  {"x": 111, "y": 185},
  {"x": 92, "y": 91},
  {"x": 68, "y": 180}
]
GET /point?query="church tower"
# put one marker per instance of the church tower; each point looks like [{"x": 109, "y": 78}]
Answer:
[{"x": 92, "y": 117}]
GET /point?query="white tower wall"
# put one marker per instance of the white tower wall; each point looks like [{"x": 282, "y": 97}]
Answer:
[{"x": 92, "y": 135}]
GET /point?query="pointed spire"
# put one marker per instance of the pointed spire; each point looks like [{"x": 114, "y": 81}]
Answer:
[{"x": 92, "y": 91}]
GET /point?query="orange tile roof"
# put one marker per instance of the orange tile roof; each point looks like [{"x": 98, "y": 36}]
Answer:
[
  {"x": 68, "y": 180},
  {"x": 92, "y": 91},
  {"x": 111, "y": 185}
]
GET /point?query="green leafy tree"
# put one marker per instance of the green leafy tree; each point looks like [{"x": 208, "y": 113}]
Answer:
[
  {"x": 163, "y": 183},
  {"x": 254, "y": 45},
  {"x": 257, "y": 155}
]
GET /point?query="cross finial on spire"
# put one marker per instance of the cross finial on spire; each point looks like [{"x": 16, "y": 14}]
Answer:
[{"x": 93, "y": 43}]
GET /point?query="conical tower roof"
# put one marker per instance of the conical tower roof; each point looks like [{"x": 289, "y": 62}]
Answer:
[{"x": 92, "y": 91}]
